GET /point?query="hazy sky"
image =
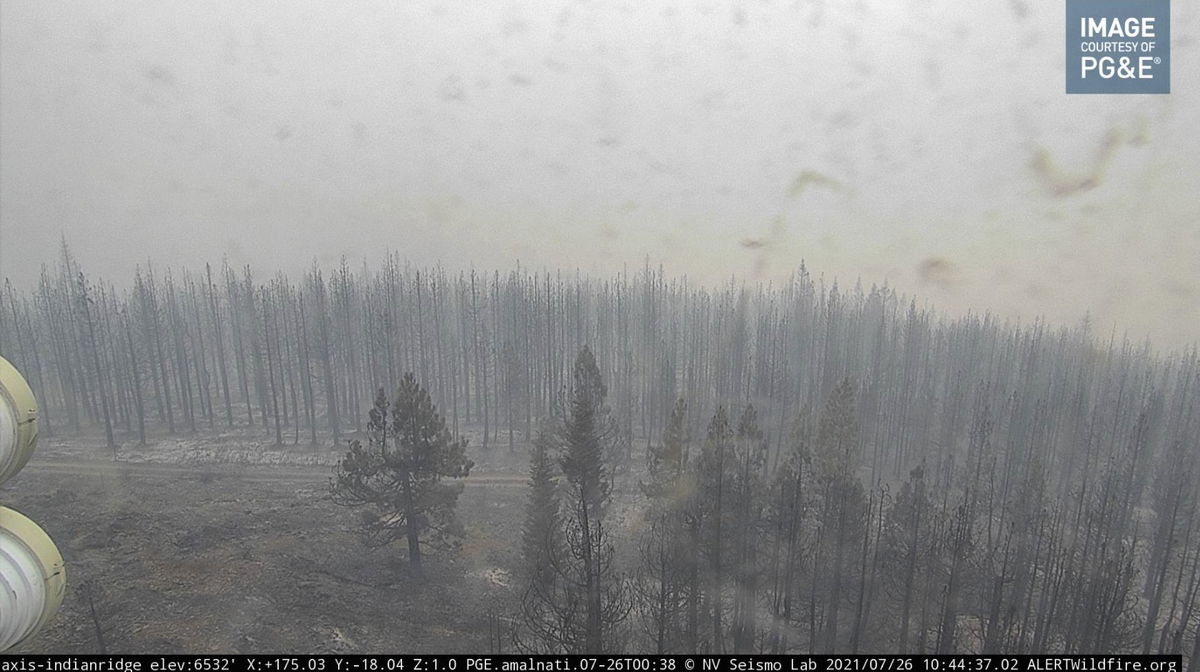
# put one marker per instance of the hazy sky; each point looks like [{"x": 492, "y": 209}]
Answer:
[{"x": 925, "y": 143}]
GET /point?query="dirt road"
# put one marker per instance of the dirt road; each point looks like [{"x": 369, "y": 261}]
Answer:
[{"x": 246, "y": 473}]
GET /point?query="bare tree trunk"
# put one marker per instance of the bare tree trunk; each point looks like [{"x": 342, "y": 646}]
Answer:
[
  {"x": 85, "y": 303},
  {"x": 236, "y": 309},
  {"x": 218, "y": 331},
  {"x": 327, "y": 358},
  {"x": 306, "y": 369},
  {"x": 137, "y": 382},
  {"x": 267, "y": 318},
  {"x": 414, "y": 529}
]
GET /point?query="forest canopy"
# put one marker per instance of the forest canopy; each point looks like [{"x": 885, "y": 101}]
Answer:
[{"x": 793, "y": 466}]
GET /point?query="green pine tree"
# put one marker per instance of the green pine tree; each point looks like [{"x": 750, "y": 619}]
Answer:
[{"x": 397, "y": 478}]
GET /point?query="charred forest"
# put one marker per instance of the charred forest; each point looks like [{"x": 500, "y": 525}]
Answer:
[{"x": 804, "y": 466}]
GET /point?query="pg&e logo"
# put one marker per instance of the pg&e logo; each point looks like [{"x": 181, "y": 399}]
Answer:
[{"x": 1118, "y": 46}]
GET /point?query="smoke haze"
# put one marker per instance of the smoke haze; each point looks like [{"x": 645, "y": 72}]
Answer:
[{"x": 927, "y": 144}]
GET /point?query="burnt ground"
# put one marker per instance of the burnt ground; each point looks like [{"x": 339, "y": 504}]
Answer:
[{"x": 231, "y": 555}]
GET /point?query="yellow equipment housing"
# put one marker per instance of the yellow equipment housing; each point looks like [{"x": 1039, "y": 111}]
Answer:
[
  {"x": 33, "y": 578},
  {"x": 18, "y": 421}
]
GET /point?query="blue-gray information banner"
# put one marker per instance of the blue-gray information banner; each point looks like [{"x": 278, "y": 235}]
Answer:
[{"x": 1118, "y": 46}]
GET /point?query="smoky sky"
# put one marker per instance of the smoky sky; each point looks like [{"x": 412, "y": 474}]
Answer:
[{"x": 927, "y": 144}]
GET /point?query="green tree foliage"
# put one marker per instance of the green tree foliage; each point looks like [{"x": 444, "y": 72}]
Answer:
[
  {"x": 845, "y": 502},
  {"x": 749, "y": 493},
  {"x": 549, "y": 609},
  {"x": 588, "y": 434},
  {"x": 837, "y": 433},
  {"x": 666, "y": 460},
  {"x": 908, "y": 542},
  {"x": 581, "y": 608},
  {"x": 715, "y": 475},
  {"x": 785, "y": 514},
  {"x": 541, "y": 536},
  {"x": 397, "y": 477},
  {"x": 665, "y": 584}
]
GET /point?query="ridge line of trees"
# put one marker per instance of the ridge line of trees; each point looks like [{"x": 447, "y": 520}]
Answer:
[{"x": 1043, "y": 473}]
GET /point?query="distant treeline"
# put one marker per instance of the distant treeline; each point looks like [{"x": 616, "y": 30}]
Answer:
[{"x": 1061, "y": 468}]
